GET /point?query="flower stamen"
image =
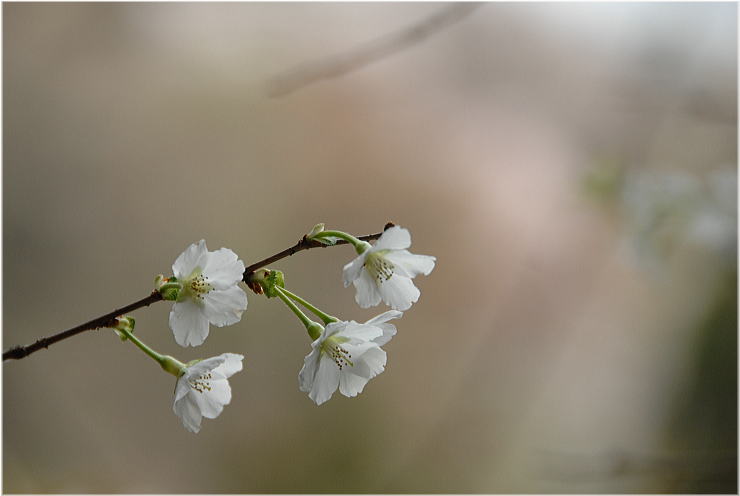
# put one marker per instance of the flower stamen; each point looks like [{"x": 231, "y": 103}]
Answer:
[
  {"x": 337, "y": 353},
  {"x": 202, "y": 383},
  {"x": 379, "y": 268}
]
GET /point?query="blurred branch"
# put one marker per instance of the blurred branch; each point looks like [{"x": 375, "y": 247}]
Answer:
[
  {"x": 354, "y": 59},
  {"x": 108, "y": 320}
]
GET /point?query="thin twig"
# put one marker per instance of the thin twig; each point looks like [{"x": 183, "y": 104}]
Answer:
[
  {"x": 108, "y": 320},
  {"x": 357, "y": 58}
]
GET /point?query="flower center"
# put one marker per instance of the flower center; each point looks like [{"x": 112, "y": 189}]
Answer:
[
  {"x": 196, "y": 285},
  {"x": 202, "y": 383},
  {"x": 332, "y": 347},
  {"x": 379, "y": 267}
]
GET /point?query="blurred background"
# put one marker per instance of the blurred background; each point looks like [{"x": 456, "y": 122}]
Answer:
[{"x": 573, "y": 167}]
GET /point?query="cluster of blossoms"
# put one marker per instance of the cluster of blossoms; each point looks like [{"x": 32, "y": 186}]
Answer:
[{"x": 344, "y": 354}]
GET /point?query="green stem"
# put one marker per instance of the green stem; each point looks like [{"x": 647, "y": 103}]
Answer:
[
  {"x": 328, "y": 319},
  {"x": 156, "y": 356},
  {"x": 360, "y": 246},
  {"x": 314, "y": 328}
]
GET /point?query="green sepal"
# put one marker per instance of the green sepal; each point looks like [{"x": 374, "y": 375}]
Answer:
[{"x": 273, "y": 278}]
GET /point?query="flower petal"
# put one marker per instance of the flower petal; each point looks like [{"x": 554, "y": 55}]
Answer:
[
  {"x": 326, "y": 381},
  {"x": 411, "y": 263},
  {"x": 211, "y": 402},
  {"x": 350, "y": 384},
  {"x": 361, "y": 332},
  {"x": 367, "y": 291},
  {"x": 352, "y": 270},
  {"x": 389, "y": 330},
  {"x": 385, "y": 317},
  {"x": 193, "y": 256},
  {"x": 181, "y": 388},
  {"x": 189, "y": 413},
  {"x": 307, "y": 375},
  {"x": 399, "y": 292},
  {"x": 225, "y": 307},
  {"x": 371, "y": 363},
  {"x": 223, "y": 268},
  {"x": 395, "y": 238},
  {"x": 232, "y": 364},
  {"x": 204, "y": 366},
  {"x": 188, "y": 323}
]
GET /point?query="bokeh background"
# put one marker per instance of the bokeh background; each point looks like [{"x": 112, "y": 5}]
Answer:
[{"x": 571, "y": 166}]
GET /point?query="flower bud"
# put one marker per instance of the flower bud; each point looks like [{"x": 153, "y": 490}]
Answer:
[
  {"x": 124, "y": 324},
  {"x": 315, "y": 230}
]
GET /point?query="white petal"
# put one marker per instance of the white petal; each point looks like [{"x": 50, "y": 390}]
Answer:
[
  {"x": 307, "y": 375},
  {"x": 211, "y": 403},
  {"x": 223, "y": 268},
  {"x": 395, "y": 238},
  {"x": 389, "y": 330},
  {"x": 181, "y": 388},
  {"x": 232, "y": 364},
  {"x": 225, "y": 307},
  {"x": 204, "y": 366},
  {"x": 331, "y": 329},
  {"x": 188, "y": 323},
  {"x": 385, "y": 317},
  {"x": 326, "y": 381},
  {"x": 193, "y": 256},
  {"x": 371, "y": 363},
  {"x": 352, "y": 270},
  {"x": 350, "y": 384},
  {"x": 410, "y": 263},
  {"x": 367, "y": 291},
  {"x": 189, "y": 413},
  {"x": 399, "y": 292},
  {"x": 362, "y": 332},
  {"x": 357, "y": 351}
]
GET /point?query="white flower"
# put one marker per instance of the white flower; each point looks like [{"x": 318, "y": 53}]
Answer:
[
  {"x": 203, "y": 390},
  {"x": 385, "y": 270},
  {"x": 210, "y": 292},
  {"x": 347, "y": 355}
]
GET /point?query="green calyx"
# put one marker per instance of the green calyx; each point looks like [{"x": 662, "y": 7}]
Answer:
[
  {"x": 168, "y": 287},
  {"x": 173, "y": 365},
  {"x": 314, "y": 330},
  {"x": 269, "y": 280}
]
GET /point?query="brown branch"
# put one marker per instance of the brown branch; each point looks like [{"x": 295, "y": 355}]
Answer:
[
  {"x": 350, "y": 61},
  {"x": 108, "y": 320}
]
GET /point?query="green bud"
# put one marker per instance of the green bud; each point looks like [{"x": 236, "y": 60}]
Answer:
[
  {"x": 124, "y": 324},
  {"x": 315, "y": 230}
]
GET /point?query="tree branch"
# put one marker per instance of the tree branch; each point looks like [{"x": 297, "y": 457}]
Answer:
[
  {"x": 354, "y": 59},
  {"x": 108, "y": 320}
]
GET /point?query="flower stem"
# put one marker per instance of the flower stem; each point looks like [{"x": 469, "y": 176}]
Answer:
[
  {"x": 156, "y": 356},
  {"x": 328, "y": 319},
  {"x": 360, "y": 246},
  {"x": 314, "y": 328}
]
